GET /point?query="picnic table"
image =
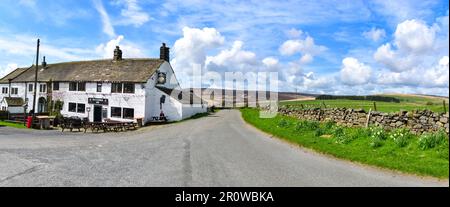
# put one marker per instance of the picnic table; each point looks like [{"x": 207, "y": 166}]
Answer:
[
  {"x": 110, "y": 125},
  {"x": 44, "y": 121}
]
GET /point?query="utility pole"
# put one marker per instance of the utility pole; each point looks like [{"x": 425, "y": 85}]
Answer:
[{"x": 35, "y": 79}]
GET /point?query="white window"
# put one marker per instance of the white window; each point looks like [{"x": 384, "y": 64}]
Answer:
[
  {"x": 14, "y": 91},
  {"x": 4, "y": 90},
  {"x": 42, "y": 88}
]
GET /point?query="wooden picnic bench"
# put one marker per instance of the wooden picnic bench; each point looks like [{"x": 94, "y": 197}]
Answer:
[
  {"x": 110, "y": 125},
  {"x": 71, "y": 123}
]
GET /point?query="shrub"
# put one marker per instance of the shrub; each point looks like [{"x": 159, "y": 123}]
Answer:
[
  {"x": 344, "y": 138},
  {"x": 431, "y": 140},
  {"x": 429, "y": 103},
  {"x": 376, "y": 142},
  {"x": 300, "y": 125},
  {"x": 319, "y": 132},
  {"x": 328, "y": 126},
  {"x": 306, "y": 125},
  {"x": 377, "y": 132},
  {"x": 377, "y": 135},
  {"x": 313, "y": 125},
  {"x": 400, "y": 137},
  {"x": 283, "y": 123},
  {"x": 337, "y": 131},
  {"x": 361, "y": 132}
]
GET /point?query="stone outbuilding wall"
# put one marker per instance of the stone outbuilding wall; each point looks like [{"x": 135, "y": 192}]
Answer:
[{"x": 417, "y": 121}]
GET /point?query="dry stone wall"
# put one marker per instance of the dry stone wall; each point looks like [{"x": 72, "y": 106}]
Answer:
[{"x": 417, "y": 121}]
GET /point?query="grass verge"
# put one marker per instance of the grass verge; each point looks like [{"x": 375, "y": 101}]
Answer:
[
  {"x": 393, "y": 150},
  {"x": 12, "y": 124}
]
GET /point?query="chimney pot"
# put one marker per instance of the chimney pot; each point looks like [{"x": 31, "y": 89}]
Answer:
[
  {"x": 164, "y": 53},
  {"x": 117, "y": 54},
  {"x": 44, "y": 64}
]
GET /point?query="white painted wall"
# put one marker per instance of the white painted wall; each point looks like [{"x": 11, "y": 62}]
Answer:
[
  {"x": 15, "y": 109},
  {"x": 172, "y": 108},
  {"x": 191, "y": 110},
  {"x": 123, "y": 100}
]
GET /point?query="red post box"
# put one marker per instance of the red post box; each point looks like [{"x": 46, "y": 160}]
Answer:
[{"x": 29, "y": 121}]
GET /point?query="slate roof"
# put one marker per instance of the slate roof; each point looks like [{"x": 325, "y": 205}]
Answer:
[
  {"x": 14, "y": 101},
  {"x": 12, "y": 75},
  {"x": 126, "y": 70}
]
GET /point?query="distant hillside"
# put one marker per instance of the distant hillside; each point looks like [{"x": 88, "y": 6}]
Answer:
[{"x": 240, "y": 97}]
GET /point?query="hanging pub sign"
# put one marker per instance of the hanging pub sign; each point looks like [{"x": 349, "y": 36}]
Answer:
[{"x": 101, "y": 101}]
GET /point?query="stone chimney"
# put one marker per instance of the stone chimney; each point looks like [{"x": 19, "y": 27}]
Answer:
[
  {"x": 44, "y": 64},
  {"x": 164, "y": 53},
  {"x": 117, "y": 54}
]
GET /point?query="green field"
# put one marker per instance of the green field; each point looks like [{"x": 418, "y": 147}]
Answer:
[
  {"x": 407, "y": 103},
  {"x": 359, "y": 144}
]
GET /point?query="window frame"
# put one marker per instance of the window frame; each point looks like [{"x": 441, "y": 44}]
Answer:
[
  {"x": 79, "y": 107},
  {"x": 30, "y": 87},
  {"x": 99, "y": 86},
  {"x": 83, "y": 88},
  {"x": 74, "y": 108},
  {"x": 71, "y": 85},
  {"x": 42, "y": 87},
  {"x": 116, "y": 87},
  {"x": 133, "y": 87},
  {"x": 14, "y": 91},
  {"x": 112, "y": 113},
  {"x": 56, "y": 86},
  {"x": 127, "y": 117},
  {"x": 4, "y": 90}
]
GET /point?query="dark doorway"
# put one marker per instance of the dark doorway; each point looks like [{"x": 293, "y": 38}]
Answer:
[
  {"x": 42, "y": 105},
  {"x": 97, "y": 113}
]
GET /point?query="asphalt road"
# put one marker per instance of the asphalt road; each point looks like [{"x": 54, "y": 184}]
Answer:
[{"x": 218, "y": 150}]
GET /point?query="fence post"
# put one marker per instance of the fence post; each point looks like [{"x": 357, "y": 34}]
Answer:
[
  {"x": 445, "y": 109},
  {"x": 375, "y": 106},
  {"x": 368, "y": 118}
]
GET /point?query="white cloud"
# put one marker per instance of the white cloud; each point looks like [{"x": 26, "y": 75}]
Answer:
[
  {"x": 435, "y": 76},
  {"x": 107, "y": 26},
  {"x": 306, "y": 58},
  {"x": 270, "y": 61},
  {"x": 294, "y": 33},
  {"x": 132, "y": 14},
  {"x": 375, "y": 34},
  {"x": 305, "y": 46},
  {"x": 414, "y": 36},
  {"x": 25, "y": 46},
  {"x": 193, "y": 46},
  {"x": 232, "y": 59},
  {"x": 414, "y": 44},
  {"x": 398, "y": 11},
  {"x": 354, "y": 72},
  {"x": 106, "y": 50},
  {"x": 6, "y": 70}
]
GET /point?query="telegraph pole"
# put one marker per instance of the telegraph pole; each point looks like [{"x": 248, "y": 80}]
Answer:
[{"x": 35, "y": 79}]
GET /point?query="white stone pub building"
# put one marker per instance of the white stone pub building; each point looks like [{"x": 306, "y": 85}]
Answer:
[{"x": 118, "y": 89}]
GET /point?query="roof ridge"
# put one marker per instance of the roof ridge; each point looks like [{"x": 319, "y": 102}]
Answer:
[
  {"x": 99, "y": 60},
  {"x": 24, "y": 69}
]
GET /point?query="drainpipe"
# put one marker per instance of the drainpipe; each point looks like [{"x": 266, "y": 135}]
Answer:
[{"x": 9, "y": 88}]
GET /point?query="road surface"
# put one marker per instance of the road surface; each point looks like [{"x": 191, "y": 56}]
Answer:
[{"x": 218, "y": 150}]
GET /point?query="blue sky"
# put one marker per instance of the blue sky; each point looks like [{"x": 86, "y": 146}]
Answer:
[{"x": 337, "y": 47}]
